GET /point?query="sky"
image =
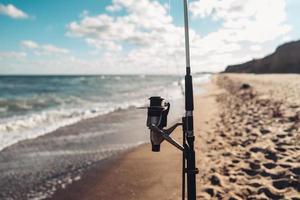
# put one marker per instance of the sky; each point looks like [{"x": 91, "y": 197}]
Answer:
[{"x": 139, "y": 36}]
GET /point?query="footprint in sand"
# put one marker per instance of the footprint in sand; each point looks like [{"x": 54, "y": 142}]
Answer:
[
  {"x": 250, "y": 172},
  {"x": 290, "y": 160},
  {"x": 282, "y": 184},
  {"x": 254, "y": 166},
  {"x": 295, "y": 170},
  {"x": 275, "y": 140},
  {"x": 270, "y": 165},
  {"x": 285, "y": 166},
  {"x": 264, "y": 131},
  {"x": 270, "y": 194},
  {"x": 235, "y": 161},
  {"x": 279, "y": 175},
  {"x": 255, "y": 184},
  {"x": 296, "y": 185},
  {"x": 280, "y": 149},
  {"x": 215, "y": 180},
  {"x": 271, "y": 155},
  {"x": 281, "y": 136},
  {"x": 283, "y": 143},
  {"x": 290, "y": 134},
  {"x": 232, "y": 179},
  {"x": 256, "y": 149}
]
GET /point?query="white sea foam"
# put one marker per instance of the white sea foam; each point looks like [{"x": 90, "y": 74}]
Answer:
[
  {"x": 20, "y": 128},
  {"x": 3, "y": 109}
]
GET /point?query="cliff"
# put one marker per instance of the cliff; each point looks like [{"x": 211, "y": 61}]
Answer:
[{"x": 286, "y": 59}]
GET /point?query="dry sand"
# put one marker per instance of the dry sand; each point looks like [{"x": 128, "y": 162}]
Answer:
[
  {"x": 253, "y": 147},
  {"x": 247, "y": 144}
]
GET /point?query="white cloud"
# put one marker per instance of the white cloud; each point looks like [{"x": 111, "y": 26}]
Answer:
[
  {"x": 142, "y": 40},
  {"x": 114, "y": 8},
  {"x": 256, "y": 21},
  {"x": 145, "y": 39},
  {"x": 203, "y": 8},
  {"x": 13, "y": 12},
  {"x": 47, "y": 49},
  {"x": 12, "y": 54},
  {"x": 29, "y": 44},
  {"x": 144, "y": 19},
  {"x": 255, "y": 47},
  {"x": 106, "y": 44}
]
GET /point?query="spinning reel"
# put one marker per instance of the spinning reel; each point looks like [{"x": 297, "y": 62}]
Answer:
[{"x": 157, "y": 120}]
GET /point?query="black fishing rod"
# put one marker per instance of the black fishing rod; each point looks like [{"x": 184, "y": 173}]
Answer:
[{"x": 157, "y": 121}]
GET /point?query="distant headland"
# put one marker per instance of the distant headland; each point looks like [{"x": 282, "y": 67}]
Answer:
[{"x": 286, "y": 59}]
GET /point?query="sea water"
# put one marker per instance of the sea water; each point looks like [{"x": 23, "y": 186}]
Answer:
[
  {"x": 82, "y": 121},
  {"x": 31, "y": 106}
]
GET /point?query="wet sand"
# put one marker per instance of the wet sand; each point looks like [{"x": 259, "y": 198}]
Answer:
[
  {"x": 247, "y": 143},
  {"x": 36, "y": 168},
  {"x": 139, "y": 174}
]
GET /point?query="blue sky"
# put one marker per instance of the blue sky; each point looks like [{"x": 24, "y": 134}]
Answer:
[{"x": 139, "y": 36}]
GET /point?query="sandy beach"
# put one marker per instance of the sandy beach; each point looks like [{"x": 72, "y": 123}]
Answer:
[
  {"x": 90, "y": 92},
  {"x": 254, "y": 143},
  {"x": 246, "y": 141},
  {"x": 247, "y": 146}
]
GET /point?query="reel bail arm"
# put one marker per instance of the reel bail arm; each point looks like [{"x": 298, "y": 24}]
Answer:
[{"x": 166, "y": 134}]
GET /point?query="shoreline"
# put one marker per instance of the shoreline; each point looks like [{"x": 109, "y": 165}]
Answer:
[
  {"x": 36, "y": 168},
  {"x": 140, "y": 173}
]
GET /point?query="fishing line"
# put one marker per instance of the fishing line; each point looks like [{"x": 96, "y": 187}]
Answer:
[
  {"x": 169, "y": 7},
  {"x": 177, "y": 64},
  {"x": 167, "y": 67},
  {"x": 177, "y": 74}
]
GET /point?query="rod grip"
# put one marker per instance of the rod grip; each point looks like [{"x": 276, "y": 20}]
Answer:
[{"x": 189, "y": 101}]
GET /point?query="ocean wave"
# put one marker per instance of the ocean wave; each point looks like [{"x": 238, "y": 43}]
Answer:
[
  {"x": 15, "y": 129},
  {"x": 37, "y": 103},
  {"x": 3, "y": 109},
  {"x": 35, "y": 115}
]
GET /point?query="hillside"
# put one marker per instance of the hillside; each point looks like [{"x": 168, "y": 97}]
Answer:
[{"x": 286, "y": 59}]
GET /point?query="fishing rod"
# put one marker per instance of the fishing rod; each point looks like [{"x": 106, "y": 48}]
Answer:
[{"x": 157, "y": 121}]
